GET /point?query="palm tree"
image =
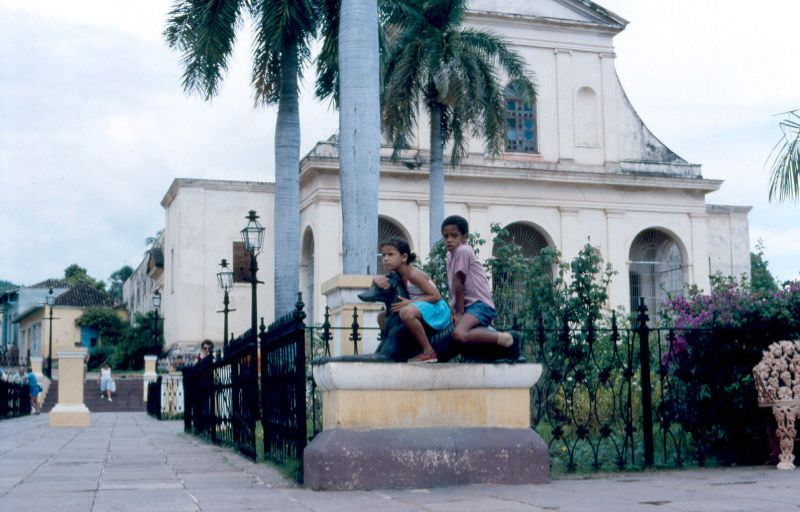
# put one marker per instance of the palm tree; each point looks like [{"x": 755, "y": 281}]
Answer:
[
  {"x": 205, "y": 31},
  {"x": 453, "y": 71},
  {"x": 358, "y": 89},
  {"x": 785, "y": 177}
]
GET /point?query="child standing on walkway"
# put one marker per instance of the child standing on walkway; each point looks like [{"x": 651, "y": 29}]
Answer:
[
  {"x": 424, "y": 307},
  {"x": 107, "y": 385},
  {"x": 471, "y": 300}
]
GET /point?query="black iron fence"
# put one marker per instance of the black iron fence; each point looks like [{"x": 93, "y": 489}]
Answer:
[
  {"x": 14, "y": 399},
  {"x": 221, "y": 396},
  {"x": 613, "y": 394},
  {"x": 154, "y": 398},
  {"x": 284, "y": 378}
]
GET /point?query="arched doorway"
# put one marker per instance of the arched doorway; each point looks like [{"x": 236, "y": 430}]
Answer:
[
  {"x": 656, "y": 270},
  {"x": 388, "y": 228},
  {"x": 307, "y": 274},
  {"x": 508, "y": 289}
]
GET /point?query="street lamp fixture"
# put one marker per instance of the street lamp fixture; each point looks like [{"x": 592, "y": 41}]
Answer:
[
  {"x": 51, "y": 300},
  {"x": 156, "y": 338},
  {"x": 225, "y": 281},
  {"x": 253, "y": 239}
]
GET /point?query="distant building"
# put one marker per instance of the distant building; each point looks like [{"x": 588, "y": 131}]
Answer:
[
  {"x": 580, "y": 165},
  {"x": 34, "y": 322}
]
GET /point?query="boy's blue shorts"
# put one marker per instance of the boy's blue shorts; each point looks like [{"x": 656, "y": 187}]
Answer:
[{"x": 482, "y": 311}]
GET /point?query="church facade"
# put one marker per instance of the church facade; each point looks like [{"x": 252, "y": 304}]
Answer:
[{"x": 580, "y": 166}]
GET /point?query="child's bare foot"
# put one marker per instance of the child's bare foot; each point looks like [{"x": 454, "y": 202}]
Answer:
[
  {"x": 505, "y": 339},
  {"x": 425, "y": 357}
]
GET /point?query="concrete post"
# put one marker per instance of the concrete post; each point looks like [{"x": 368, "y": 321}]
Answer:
[
  {"x": 70, "y": 411},
  {"x": 36, "y": 367},
  {"x": 149, "y": 373},
  {"x": 341, "y": 293}
]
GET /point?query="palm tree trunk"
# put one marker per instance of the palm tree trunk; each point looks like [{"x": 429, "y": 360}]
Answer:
[
  {"x": 359, "y": 134},
  {"x": 436, "y": 176},
  {"x": 287, "y": 188}
]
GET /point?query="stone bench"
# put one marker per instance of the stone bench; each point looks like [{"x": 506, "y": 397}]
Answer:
[
  {"x": 777, "y": 379},
  {"x": 399, "y": 425}
]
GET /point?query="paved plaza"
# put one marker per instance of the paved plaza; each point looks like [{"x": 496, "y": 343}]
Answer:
[{"x": 129, "y": 461}]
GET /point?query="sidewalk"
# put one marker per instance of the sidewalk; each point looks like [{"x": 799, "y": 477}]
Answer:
[{"x": 128, "y": 461}]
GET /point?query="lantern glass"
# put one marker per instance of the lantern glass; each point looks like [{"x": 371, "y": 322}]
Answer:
[
  {"x": 51, "y": 299},
  {"x": 253, "y": 234},
  {"x": 156, "y": 299},
  {"x": 225, "y": 276}
]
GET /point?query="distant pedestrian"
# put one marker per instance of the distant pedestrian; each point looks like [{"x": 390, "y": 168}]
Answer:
[
  {"x": 107, "y": 385},
  {"x": 206, "y": 348},
  {"x": 33, "y": 387}
]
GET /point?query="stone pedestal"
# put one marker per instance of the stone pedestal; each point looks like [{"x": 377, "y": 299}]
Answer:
[
  {"x": 70, "y": 411},
  {"x": 400, "y": 425},
  {"x": 341, "y": 293},
  {"x": 150, "y": 374}
]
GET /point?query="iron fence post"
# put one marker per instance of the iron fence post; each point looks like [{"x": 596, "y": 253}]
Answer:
[
  {"x": 326, "y": 332},
  {"x": 647, "y": 397},
  {"x": 354, "y": 335}
]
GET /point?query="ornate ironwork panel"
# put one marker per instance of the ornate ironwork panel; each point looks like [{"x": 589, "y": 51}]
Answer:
[{"x": 283, "y": 387}]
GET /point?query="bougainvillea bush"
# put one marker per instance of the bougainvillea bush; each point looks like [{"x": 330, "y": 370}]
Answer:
[{"x": 717, "y": 340}]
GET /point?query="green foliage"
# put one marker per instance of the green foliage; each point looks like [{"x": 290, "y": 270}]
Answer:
[
  {"x": 453, "y": 70},
  {"x": 118, "y": 279},
  {"x": 784, "y": 181},
  {"x": 6, "y": 285},
  {"x": 75, "y": 275},
  {"x": 761, "y": 279},
  {"x": 139, "y": 340},
  {"x": 106, "y": 321},
  {"x": 719, "y": 338}
]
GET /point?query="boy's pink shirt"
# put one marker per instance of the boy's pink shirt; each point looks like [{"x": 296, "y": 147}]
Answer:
[{"x": 476, "y": 285}]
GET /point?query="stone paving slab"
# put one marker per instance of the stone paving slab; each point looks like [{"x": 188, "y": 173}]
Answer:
[{"x": 131, "y": 462}]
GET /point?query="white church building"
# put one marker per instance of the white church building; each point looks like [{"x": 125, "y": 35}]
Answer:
[{"x": 580, "y": 165}]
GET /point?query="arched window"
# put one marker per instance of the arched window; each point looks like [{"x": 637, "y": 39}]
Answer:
[
  {"x": 307, "y": 274},
  {"x": 656, "y": 270},
  {"x": 387, "y": 229},
  {"x": 521, "y": 135},
  {"x": 507, "y": 288}
]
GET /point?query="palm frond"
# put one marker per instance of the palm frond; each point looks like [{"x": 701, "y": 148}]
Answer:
[
  {"x": 205, "y": 32},
  {"x": 785, "y": 175}
]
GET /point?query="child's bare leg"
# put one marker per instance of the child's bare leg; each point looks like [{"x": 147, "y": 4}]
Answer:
[
  {"x": 412, "y": 319},
  {"x": 381, "y": 319},
  {"x": 469, "y": 330}
]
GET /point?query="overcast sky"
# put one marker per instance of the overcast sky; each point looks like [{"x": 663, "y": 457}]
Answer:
[{"x": 94, "y": 125}]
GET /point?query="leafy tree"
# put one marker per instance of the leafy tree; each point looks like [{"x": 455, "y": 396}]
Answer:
[
  {"x": 75, "y": 275},
  {"x": 761, "y": 279},
  {"x": 785, "y": 178},
  {"x": 205, "y": 31},
  {"x": 110, "y": 327},
  {"x": 118, "y": 279},
  {"x": 137, "y": 342},
  {"x": 6, "y": 285},
  {"x": 452, "y": 70}
]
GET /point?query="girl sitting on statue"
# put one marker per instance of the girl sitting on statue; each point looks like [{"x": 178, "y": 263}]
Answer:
[{"x": 424, "y": 307}]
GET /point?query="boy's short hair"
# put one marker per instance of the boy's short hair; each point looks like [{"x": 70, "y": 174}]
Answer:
[{"x": 458, "y": 221}]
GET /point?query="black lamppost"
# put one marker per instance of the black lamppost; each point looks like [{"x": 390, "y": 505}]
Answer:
[
  {"x": 156, "y": 306},
  {"x": 51, "y": 300},
  {"x": 253, "y": 238},
  {"x": 225, "y": 281}
]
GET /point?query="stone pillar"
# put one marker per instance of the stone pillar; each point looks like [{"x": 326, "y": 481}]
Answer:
[
  {"x": 564, "y": 95},
  {"x": 149, "y": 373},
  {"x": 341, "y": 293},
  {"x": 70, "y": 411},
  {"x": 399, "y": 425},
  {"x": 697, "y": 264},
  {"x": 617, "y": 255},
  {"x": 572, "y": 238}
]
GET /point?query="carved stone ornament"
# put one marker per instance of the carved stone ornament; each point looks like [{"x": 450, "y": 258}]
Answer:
[{"x": 777, "y": 379}]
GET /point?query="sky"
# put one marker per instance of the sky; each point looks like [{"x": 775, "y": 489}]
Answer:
[{"x": 94, "y": 124}]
